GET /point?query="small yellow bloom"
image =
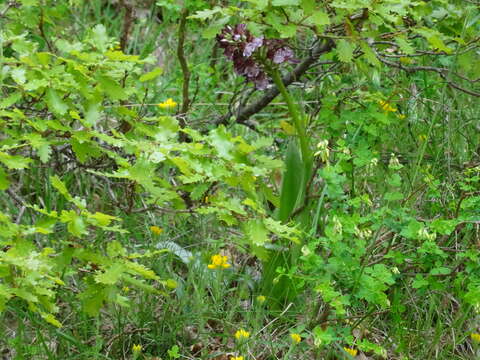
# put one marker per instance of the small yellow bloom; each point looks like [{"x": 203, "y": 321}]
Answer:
[
  {"x": 137, "y": 348},
  {"x": 242, "y": 334},
  {"x": 156, "y": 230},
  {"x": 475, "y": 337},
  {"x": 386, "y": 106},
  {"x": 168, "y": 104},
  {"x": 236, "y": 357},
  {"x": 126, "y": 289},
  {"x": 296, "y": 338},
  {"x": 401, "y": 116},
  {"x": 219, "y": 261},
  {"x": 261, "y": 299},
  {"x": 351, "y": 352}
]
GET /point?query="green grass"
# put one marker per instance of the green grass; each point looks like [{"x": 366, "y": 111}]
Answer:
[{"x": 437, "y": 145}]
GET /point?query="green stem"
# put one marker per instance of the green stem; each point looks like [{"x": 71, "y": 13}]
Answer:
[{"x": 294, "y": 113}]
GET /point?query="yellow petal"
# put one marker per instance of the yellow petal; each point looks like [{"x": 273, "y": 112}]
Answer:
[
  {"x": 261, "y": 299},
  {"x": 296, "y": 338},
  {"x": 156, "y": 230},
  {"x": 475, "y": 337},
  {"x": 351, "y": 352}
]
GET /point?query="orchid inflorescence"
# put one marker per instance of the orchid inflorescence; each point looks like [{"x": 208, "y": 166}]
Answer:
[{"x": 250, "y": 53}]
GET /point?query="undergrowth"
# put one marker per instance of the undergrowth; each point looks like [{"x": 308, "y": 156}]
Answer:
[{"x": 142, "y": 217}]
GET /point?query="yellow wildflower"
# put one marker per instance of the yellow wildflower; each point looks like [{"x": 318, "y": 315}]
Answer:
[
  {"x": 126, "y": 289},
  {"x": 386, "y": 106},
  {"x": 261, "y": 299},
  {"x": 156, "y": 230},
  {"x": 137, "y": 348},
  {"x": 168, "y": 104},
  {"x": 296, "y": 338},
  {"x": 219, "y": 261},
  {"x": 242, "y": 334},
  {"x": 351, "y": 352},
  {"x": 236, "y": 357},
  {"x": 401, "y": 116},
  {"x": 475, "y": 337}
]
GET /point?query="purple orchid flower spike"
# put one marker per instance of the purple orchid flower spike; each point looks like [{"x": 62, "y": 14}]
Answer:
[{"x": 240, "y": 46}]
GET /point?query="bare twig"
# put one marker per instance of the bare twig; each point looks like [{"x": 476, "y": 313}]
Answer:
[
  {"x": 443, "y": 72},
  {"x": 20, "y": 215},
  {"x": 42, "y": 32},
  {"x": 460, "y": 88},
  {"x": 184, "y": 65},
  {"x": 127, "y": 23},
  {"x": 17, "y": 198}
]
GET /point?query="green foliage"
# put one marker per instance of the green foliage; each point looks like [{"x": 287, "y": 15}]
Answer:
[
  {"x": 368, "y": 242},
  {"x": 71, "y": 98}
]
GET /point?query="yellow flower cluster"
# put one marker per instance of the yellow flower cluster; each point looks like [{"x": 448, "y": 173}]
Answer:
[
  {"x": 386, "y": 106},
  {"x": 242, "y": 334},
  {"x": 475, "y": 337},
  {"x": 296, "y": 338},
  {"x": 156, "y": 230},
  {"x": 219, "y": 262},
  {"x": 137, "y": 348},
  {"x": 168, "y": 104},
  {"x": 261, "y": 299},
  {"x": 350, "y": 351},
  {"x": 236, "y": 357}
]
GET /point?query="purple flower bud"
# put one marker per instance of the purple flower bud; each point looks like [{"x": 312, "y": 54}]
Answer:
[
  {"x": 241, "y": 29},
  {"x": 282, "y": 55},
  {"x": 250, "y": 47}
]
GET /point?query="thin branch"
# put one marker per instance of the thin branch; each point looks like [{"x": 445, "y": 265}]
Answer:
[
  {"x": 127, "y": 23},
  {"x": 42, "y": 31},
  {"x": 184, "y": 65},
  {"x": 17, "y": 198},
  {"x": 441, "y": 71},
  {"x": 458, "y": 87}
]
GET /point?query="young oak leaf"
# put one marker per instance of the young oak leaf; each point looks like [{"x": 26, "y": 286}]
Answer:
[{"x": 345, "y": 50}]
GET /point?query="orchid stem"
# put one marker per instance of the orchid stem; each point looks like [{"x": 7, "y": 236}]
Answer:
[{"x": 294, "y": 113}]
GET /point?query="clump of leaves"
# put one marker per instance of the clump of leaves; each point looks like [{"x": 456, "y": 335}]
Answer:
[{"x": 81, "y": 91}]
